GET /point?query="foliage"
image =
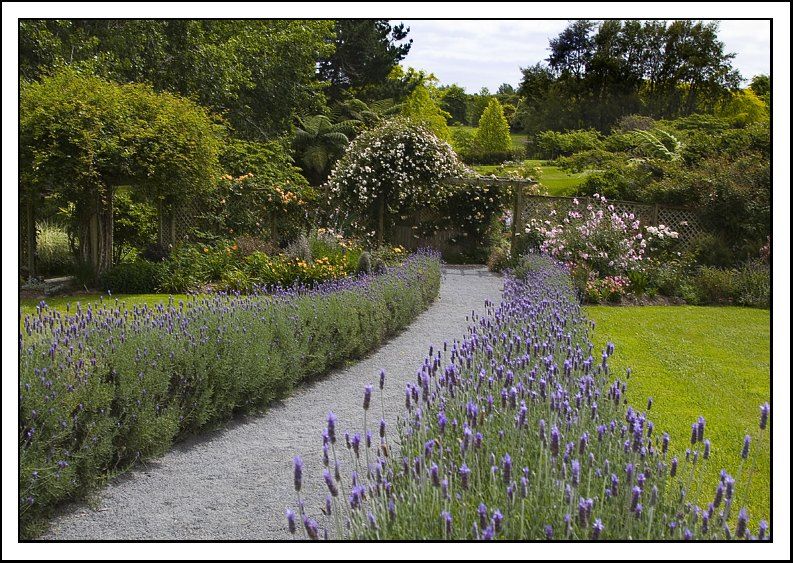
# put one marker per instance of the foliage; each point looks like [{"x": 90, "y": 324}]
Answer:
[
  {"x": 365, "y": 53},
  {"x": 477, "y": 103},
  {"x": 497, "y": 445},
  {"x": 262, "y": 193},
  {"x": 551, "y": 144},
  {"x": 500, "y": 257},
  {"x": 132, "y": 385},
  {"x": 609, "y": 289},
  {"x": 492, "y": 135},
  {"x": 454, "y": 101},
  {"x": 748, "y": 285},
  {"x": 392, "y": 169},
  {"x": 53, "y": 250},
  {"x": 595, "y": 235},
  {"x": 135, "y": 276},
  {"x": 599, "y": 72},
  {"x": 82, "y": 137},
  {"x": 259, "y": 73},
  {"x": 421, "y": 108},
  {"x": 134, "y": 224},
  {"x": 743, "y": 108},
  {"x": 319, "y": 143}
]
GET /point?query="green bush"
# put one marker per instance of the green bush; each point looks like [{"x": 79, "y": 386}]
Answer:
[
  {"x": 500, "y": 258},
  {"x": 148, "y": 377},
  {"x": 749, "y": 285},
  {"x": 137, "y": 276}
]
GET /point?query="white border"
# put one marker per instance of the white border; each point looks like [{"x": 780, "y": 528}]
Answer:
[{"x": 411, "y": 10}]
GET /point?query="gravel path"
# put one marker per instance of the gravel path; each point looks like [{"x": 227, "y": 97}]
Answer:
[{"x": 235, "y": 483}]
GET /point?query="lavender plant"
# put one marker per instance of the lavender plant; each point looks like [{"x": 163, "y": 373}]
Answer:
[
  {"x": 102, "y": 387},
  {"x": 521, "y": 431}
]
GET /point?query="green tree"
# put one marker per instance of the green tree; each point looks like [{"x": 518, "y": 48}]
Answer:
[
  {"x": 761, "y": 85},
  {"x": 422, "y": 108},
  {"x": 259, "y": 74},
  {"x": 82, "y": 138},
  {"x": 365, "y": 53},
  {"x": 476, "y": 106},
  {"x": 319, "y": 143},
  {"x": 454, "y": 101},
  {"x": 492, "y": 136},
  {"x": 743, "y": 107}
]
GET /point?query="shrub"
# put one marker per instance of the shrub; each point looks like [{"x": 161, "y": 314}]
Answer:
[
  {"x": 552, "y": 144},
  {"x": 136, "y": 380},
  {"x": 391, "y": 169},
  {"x": 500, "y": 258},
  {"x": 53, "y": 252},
  {"x": 137, "y": 276},
  {"x": 521, "y": 431}
]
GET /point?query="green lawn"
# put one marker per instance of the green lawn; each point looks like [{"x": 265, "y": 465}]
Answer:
[
  {"x": 558, "y": 182},
  {"x": 709, "y": 361},
  {"x": 28, "y": 306}
]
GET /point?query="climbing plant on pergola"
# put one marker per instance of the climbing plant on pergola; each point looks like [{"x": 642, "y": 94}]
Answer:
[{"x": 82, "y": 137}]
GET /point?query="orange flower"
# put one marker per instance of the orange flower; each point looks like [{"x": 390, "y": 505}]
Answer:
[{"x": 234, "y": 247}]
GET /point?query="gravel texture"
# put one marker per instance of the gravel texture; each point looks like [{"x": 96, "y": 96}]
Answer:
[{"x": 235, "y": 483}]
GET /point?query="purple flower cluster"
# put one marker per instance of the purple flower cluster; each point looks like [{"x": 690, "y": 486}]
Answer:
[{"x": 519, "y": 419}]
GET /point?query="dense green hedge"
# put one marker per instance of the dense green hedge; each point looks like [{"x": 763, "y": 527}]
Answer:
[{"x": 103, "y": 388}]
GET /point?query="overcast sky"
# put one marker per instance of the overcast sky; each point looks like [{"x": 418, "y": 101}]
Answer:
[{"x": 476, "y": 53}]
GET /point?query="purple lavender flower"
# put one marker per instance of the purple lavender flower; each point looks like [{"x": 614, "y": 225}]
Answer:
[
  {"x": 507, "y": 464},
  {"x": 356, "y": 444},
  {"x": 763, "y": 530},
  {"x": 649, "y": 403},
  {"x": 673, "y": 470},
  {"x": 434, "y": 475},
  {"x": 542, "y": 431},
  {"x": 298, "y": 473},
  {"x": 328, "y": 505},
  {"x": 555, "y": 441},
  {"x": 382, "y": 379},
  {"x": 372, "y": 520},
  {"x": 687, "y": 535},
  {"x": 743, "y": 520},
  {"x": 330, "y": 483},
  {"x": 706, "y": 453},
  {"x": 368, "y": 438},
  {"x": 382, "y": 428},
  {"x": 700, "y": 428},
  {"x": 705, "y": 521},
  {"x": 597, "y": 528},
  {"x": 524, "y": 487},
  {"x": 719, "y": 495},
  {"x": 391, "y": 509},
  {"x": 332, "y": 427},
  {"x": 367, "y": 397},
  {"x": 482, "y": 511},
  {"x": 576, "y": 472},
  {"x": 325, "y": 457},
  {"x": 635, "y": 494},
  {"x": 464, "y": 475},
  {"x": 694, "y": 428},
  {"x": 498, "y": 518},
  {"x": 765, "y": 410},
  {"x": 745, "y": 451},
  {"x": 729, "y": 487},
  {"x": 290, "y": 521},
  {"x": 488, "y": 533},
  {"x": 447, "y": 521},
  {"x": 548, "y": 532},
  {"x": 311, "y": 528}
]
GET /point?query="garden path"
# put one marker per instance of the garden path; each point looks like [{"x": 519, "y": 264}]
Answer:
[{"x": 235, "y": 483}]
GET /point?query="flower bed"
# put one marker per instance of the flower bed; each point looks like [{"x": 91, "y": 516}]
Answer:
[
  {"x": 521, "y": 431},
  {"x": 106, "y": 386}
]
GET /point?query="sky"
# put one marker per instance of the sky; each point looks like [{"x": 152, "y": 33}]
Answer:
[{"x": 477, "y": 53}]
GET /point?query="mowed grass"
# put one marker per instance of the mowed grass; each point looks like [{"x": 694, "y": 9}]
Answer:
[
  {"x": 28, "y": 306},
  {"x": 708, "y": 361},
  {"x": 556, "y": 181}
]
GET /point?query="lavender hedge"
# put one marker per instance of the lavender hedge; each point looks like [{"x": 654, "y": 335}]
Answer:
[
  {"x": 521, "y": 431},
  {"x": 103, "y": 387}
]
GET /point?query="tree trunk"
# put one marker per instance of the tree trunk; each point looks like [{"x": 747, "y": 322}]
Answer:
[{"x": 96, "y": 233}]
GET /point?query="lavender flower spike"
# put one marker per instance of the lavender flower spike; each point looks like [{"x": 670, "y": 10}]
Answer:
[
  {"x": 332, "y": 427},
  {"x": 367, "y": 397},
  {"x": 745, "y": 451},
  {"x": 765, "y": 410},
  {"x": 290, "y": 520},
  {"x": 298, "y": 473},
  {"x": 597, "y": 528}
]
